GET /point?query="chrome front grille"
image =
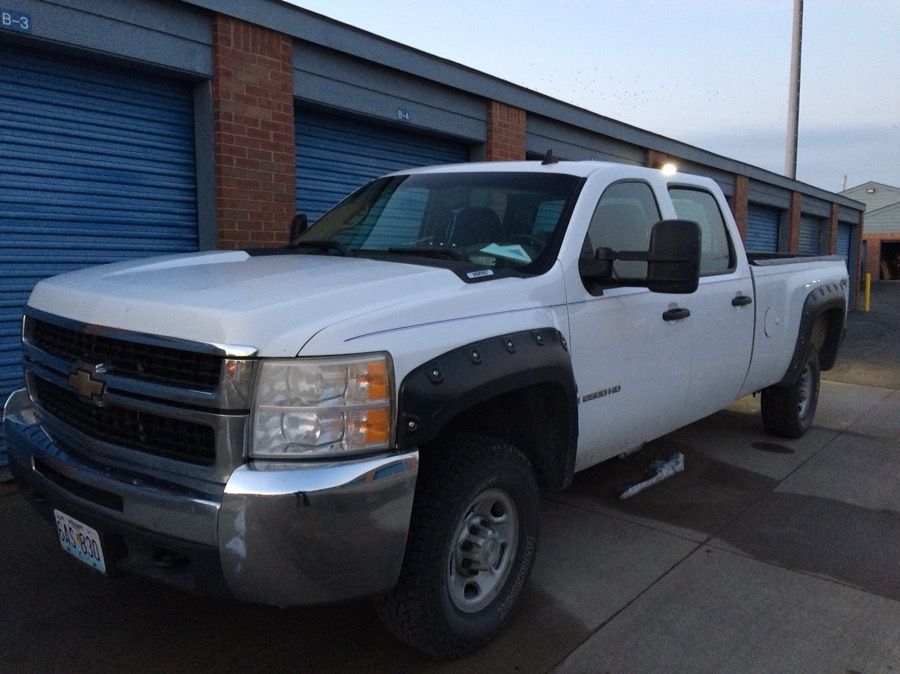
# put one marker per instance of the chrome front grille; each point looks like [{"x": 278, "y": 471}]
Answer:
[
  {"x": 134, "y": 429},
  {"x": 145, "y": 361},
  {"x": 128, "y": 398}
]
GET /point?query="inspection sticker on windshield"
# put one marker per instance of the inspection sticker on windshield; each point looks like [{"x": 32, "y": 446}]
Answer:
[
  {"x": 80, "y": 541},
  {"x": 514, "y": 252},
  {"x": 480, "y": 273}
]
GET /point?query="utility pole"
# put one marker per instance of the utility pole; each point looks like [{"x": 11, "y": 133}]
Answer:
[{"x": 790, "y": 154}]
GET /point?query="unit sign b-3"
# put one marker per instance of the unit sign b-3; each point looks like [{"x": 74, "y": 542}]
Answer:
[{"x": 11, "y": 19}]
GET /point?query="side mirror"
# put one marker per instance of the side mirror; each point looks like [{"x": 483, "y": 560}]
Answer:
[
  {"x": 299, "y": 224},
  {"x": 673, "y": 261},
  {"x": 598, "y": 268}
]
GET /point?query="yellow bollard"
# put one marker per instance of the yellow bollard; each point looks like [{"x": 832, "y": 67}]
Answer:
[{"x": 868, "y": 295}]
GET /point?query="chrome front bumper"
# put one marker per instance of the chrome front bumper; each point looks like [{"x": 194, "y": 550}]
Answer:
[{"x": 276, "y": 533}]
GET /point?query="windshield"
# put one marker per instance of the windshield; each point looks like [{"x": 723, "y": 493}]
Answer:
[{"x": 495, "y": 220}]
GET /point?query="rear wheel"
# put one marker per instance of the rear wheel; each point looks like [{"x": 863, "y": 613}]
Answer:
[
  {"x": 471, "y": 546},
  {"x": 788, "y": 411}
]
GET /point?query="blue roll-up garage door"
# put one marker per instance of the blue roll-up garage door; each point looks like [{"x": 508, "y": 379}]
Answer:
[
  {"x": 336, "y": 155},
  {"x": 810, "y": 234},
  {"x": 762, "y": 229},
  {"x": 96, "y": 165},
  {"x": 843, "y": 242}
]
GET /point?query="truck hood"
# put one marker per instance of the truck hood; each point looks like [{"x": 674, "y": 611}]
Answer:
[{"x": 274, "y": 303}]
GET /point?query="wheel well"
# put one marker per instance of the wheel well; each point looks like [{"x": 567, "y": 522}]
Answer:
[
  {"x": 536, "y": 420},
  {"x": 826, "y": 336}
]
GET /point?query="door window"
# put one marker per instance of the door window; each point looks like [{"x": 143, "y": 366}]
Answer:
[
  {"x": 623, "y": 220},
  {"x": 716, "y": 251}
]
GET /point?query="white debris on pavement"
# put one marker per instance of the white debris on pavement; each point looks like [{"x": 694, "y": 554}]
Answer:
[{"x": 659, "y": 471}]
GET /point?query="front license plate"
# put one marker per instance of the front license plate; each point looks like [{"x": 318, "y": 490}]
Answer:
[{"x": 80, "y": 541}]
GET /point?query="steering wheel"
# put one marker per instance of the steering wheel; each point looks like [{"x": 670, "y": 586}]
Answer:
[{"x": 535, "y": 243}]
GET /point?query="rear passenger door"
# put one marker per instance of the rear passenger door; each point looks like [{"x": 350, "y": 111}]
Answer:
[{"x": 722, "y": 309}]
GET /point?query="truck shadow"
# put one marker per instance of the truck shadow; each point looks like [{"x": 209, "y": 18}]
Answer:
[
  {"x": 728, "y": 506},
  {"x": 703, "y": 498}
]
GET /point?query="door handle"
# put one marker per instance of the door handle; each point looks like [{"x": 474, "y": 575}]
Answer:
[
  {"x": 676, "y": 314},
  {"x": 741, "y": 301}
]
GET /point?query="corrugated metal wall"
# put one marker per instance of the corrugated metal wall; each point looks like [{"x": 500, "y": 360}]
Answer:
[
  {"x": 810, "y": 234},
  {"x": 96, "y": 165},
  {"x": 336, "y": 155},
  {"x": 762, "y": 229},
  {"x": 843, "y": 241}
]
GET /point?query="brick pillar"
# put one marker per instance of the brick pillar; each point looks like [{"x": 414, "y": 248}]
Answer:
[
  {"x": 833, "y": 230},
  {"x": 253, "y": 133},
  {"x": 794, "y": 224},
  {"x": 505, "y": 133},
  {"x": 656, "y": 159},
  {"x": 873, "y": 257},
  {"x": 739, "y": 204},
  {"x": 873, "y": 251}
]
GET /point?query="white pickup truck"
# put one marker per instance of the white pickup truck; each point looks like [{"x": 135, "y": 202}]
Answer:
[{"x": 373, "y": 409}]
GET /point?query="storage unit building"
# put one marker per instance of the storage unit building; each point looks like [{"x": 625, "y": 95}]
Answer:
[
  {"x": 96, "y": 165},
  {"x": 762, "y": 228},
  {"x": 156, "y": 127},
  {"x": 881, "y": 243},
  {"x": 810, "y": 235},
  {"x": 337, "y": 154}
]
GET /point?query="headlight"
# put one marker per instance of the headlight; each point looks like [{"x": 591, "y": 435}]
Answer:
[{"x": 321, "y": 407}]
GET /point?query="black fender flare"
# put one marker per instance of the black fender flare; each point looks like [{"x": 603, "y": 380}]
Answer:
[
  {"x": 439, "y": 390},
  {"x": 820, "y": 299}
]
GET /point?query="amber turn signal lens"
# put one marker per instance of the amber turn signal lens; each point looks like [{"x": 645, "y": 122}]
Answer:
[
  {"x": 378, "y": 380},
  {"x": 377, "y": 427}
]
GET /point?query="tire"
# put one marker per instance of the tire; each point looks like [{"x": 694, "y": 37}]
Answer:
[
  {"x": 471, "y": 546},
  {"x": 788, "y": 411}
]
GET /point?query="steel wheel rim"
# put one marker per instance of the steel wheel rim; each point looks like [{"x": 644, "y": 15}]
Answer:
[
  {"x": 804, "y": 391},
  {"x": 484, "y": 547}
]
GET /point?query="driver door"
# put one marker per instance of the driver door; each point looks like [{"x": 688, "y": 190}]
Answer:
[{"x": 631, "y": 356}]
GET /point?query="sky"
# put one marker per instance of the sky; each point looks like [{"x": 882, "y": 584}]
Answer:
[{"x": 711, "y": 73}]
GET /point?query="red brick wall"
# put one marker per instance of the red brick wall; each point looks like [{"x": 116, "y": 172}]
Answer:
[
  {"x": 253, "y": 133},
  {"x": 794, "y": 224},
  {"x": 873, "y": 252},
  {"x": 656, "y": 159},
  {"x": 505, "y": 133},
  {"x": 739, "y": 204},
  {"x": 833, "y": 230}
]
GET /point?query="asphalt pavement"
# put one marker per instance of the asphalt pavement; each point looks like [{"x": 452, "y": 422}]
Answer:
[{"x": 764, "y": 555}]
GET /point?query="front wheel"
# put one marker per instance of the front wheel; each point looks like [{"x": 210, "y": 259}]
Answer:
[
  {"x": 472, "y": 542},
  {"x": 788, "y": 411}
]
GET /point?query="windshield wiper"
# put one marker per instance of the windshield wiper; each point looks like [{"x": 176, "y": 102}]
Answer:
[
  {"x": 324, "y": 245},
  {"x": 430, "y": 251}
]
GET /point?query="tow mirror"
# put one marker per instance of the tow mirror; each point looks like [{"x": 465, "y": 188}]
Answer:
[
  {"x": 673, "y": 260},
  {"x": 299, "y": 224}
]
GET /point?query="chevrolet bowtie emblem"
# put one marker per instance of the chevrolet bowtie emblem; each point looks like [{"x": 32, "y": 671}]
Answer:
[{"x": 85, "y": 385}]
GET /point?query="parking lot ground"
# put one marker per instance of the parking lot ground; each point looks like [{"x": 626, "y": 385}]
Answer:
[
  {"x": 764, "y": 555},
  {"x": 798, "y": 569},
  {"x": 870, "y": 353}
]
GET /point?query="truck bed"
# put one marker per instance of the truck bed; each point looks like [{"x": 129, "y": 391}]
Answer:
[{"x": 782, "y": 284}]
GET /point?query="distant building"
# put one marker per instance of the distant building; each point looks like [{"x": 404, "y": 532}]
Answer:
[{"x": 881, "y": 228}]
